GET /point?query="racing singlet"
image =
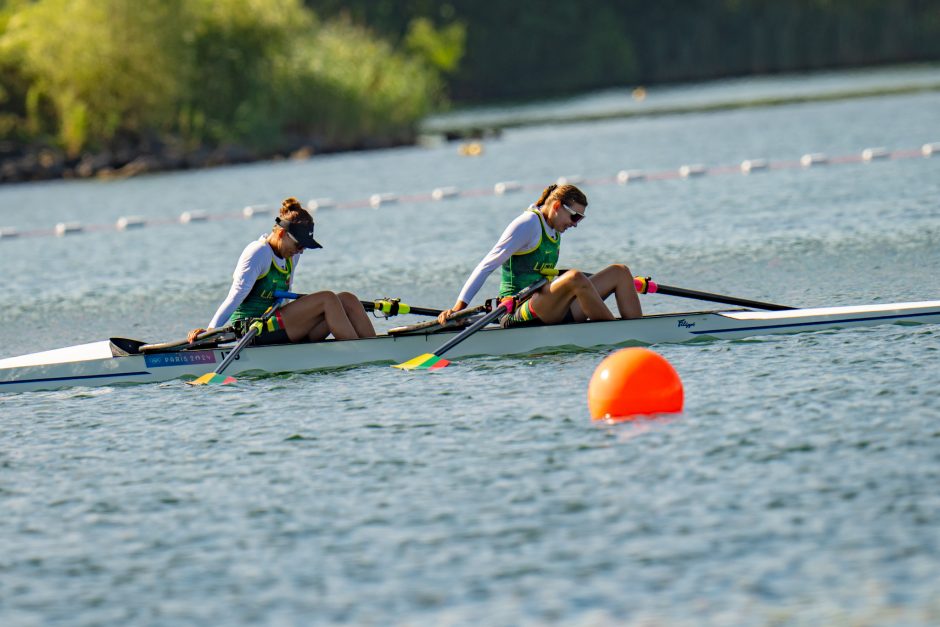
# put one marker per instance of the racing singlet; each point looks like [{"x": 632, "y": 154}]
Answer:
[
  {"x": 524, "y": 268},
  {"x": 261, "y": 295}
]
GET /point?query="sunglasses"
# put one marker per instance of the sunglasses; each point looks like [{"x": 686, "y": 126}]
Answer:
[
  {"x": 576, "y": 216},
  {"x": 293, "y": 239}
]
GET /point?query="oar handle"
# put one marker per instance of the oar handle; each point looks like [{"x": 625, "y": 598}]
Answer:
[{"x": 388, "y": 306}]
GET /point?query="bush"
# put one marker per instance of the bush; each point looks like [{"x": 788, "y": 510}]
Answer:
[{"x": 208, "y": 72}]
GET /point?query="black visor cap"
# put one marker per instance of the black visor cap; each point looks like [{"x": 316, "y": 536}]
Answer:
[{"x": 300, "y": 231}]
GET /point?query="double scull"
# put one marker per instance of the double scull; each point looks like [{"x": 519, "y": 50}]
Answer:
[{"x": 120, "y": 361}]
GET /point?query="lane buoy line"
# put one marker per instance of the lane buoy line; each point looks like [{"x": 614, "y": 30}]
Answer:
[{"x": 378, "y": 200}]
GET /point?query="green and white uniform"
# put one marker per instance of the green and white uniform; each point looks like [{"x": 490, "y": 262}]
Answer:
[
  {"x": 258, "y": 274},
  {"x": 527, "y": 246}
]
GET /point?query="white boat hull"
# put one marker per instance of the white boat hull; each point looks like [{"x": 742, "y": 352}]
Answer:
[{"x": 96, "y": 364}]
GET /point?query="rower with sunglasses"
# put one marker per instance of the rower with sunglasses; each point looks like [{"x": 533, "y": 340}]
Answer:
[
  {"x": 267, "y": 265},
  {"x": 528, "y": 250}
]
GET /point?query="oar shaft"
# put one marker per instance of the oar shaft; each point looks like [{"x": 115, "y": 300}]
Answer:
[
  {"x": 669, "y": 290},
  {"x": 493, "y": 315},
  {"x": 246, "y": 339},
  {"x": 648, "y": 286},
  {"x": 232, "y": 356}
]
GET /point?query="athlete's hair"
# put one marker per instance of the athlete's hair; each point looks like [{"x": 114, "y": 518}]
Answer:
[
  {"x": 564, "y": 193},
  {"x": 292, "y": 210}
]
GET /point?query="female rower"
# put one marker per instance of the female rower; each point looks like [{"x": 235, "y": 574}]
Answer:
[
  {"x": 528, "y": 250},
  {"x": 267, "y": 265}
]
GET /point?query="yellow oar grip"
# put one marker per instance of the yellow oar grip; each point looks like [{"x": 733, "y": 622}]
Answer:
[{"x": 391, "y": 307}]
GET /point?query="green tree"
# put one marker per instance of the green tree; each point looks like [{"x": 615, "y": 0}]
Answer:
[{"x": 116, "y": 70}]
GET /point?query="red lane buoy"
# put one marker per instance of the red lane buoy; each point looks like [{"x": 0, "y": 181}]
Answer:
[{"x": 634, "y": 382}]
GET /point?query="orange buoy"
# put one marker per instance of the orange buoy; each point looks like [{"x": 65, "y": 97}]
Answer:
[{"x": 633, "y": 382}]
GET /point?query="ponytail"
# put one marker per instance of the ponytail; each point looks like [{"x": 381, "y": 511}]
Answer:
[
  {"x": 545, "y": 194},
  {"x": 564, "y": 193}
]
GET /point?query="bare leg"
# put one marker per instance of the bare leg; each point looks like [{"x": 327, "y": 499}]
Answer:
[
  {"x": 552, "y": 302},
  {"x": 304, "y": 314},
  {"x": 319, "y": 332},
  {"x": 357, "y": 314},
  {"x": 618, "y": 280}
]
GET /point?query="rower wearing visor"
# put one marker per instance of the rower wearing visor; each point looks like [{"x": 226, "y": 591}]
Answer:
[
  {"x": 266, "y": 266},
  {"x": 528, "y": 250}
]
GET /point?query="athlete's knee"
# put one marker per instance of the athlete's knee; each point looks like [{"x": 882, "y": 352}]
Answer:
[
  {"x": 325, "y": 298},
  {"x": 348, "y": 298},
  {"x": 620, "y": 269},
  {"x": 575, "y": 279}
]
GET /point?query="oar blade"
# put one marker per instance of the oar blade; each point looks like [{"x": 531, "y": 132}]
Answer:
[
  {"x": 427, "y": 361},
  {"x": 212, "y": 378}
]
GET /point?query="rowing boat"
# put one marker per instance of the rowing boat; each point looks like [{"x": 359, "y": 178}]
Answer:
[{"x": 119, "y": 360}]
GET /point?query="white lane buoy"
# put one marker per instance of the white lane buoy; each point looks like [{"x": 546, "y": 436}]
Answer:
[
  {"x": 930, "y": 149},
  {"x": 440, "y": 193},
  {"x": 505, "y": 187},
  {"x": 569, "y": 180},
  {"x": 377, "y": 200},
  {"x": 68, "y": 228},
  {"x": 815, "y": 158},
  {"x": 320, "y": 203},
  {"x": 689, "y": 171},
  {"x": 870, "y": 154},
  {"x": 8, "y": 232},
  {"x": 129, "y": 222},
  {"x": 257, "y": 211},
  {"x": 630, "y": 176},
  {"x": 753, "y": 165},
  {"x": 193, "y": 216}
]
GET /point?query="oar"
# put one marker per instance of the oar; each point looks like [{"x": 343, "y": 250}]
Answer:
[
  {"x": 433, "y": 361},
  {"x": 432, "y": 326},
  {"x": 645, "y": 285},
  {"x": 216, "y": 377},
  {"x": 388, "y": 306},
  {"x": 206, "y": 338}
]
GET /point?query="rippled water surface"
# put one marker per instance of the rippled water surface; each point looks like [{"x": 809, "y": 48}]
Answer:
[{"x": 799, "y": 486}]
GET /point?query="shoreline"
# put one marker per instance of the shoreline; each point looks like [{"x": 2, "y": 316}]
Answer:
[
  {"x": 496, "y": 123},
  {"x": 42, "y": 163}
]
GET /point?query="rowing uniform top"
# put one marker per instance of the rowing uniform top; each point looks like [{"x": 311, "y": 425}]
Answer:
[
  {"x": 258, "y": 274},
  {"x": 527, "y": 245}
]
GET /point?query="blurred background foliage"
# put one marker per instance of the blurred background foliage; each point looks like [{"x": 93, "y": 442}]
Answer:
[
  {"x": 533, "y": 48},
  {"x": 94, "y": 74}
]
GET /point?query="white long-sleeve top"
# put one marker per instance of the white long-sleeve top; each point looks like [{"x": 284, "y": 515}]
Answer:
[
  {"x": 522, "y": 234},
  {"x": 254, "y": 261}
]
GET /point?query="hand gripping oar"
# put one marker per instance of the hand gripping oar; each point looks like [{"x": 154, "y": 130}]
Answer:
[
  {"x": 433, "y": 361},
  {"x": 206, "y": 338},
  {"x": 253, "y": 330},
  {"x": 645, "y": 285},
  {"x": 433, "y": 326},
  {"x": 388, "y": 306}
]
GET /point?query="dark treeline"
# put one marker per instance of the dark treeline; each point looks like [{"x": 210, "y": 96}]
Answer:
[{"x": 531, "y": 48}]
